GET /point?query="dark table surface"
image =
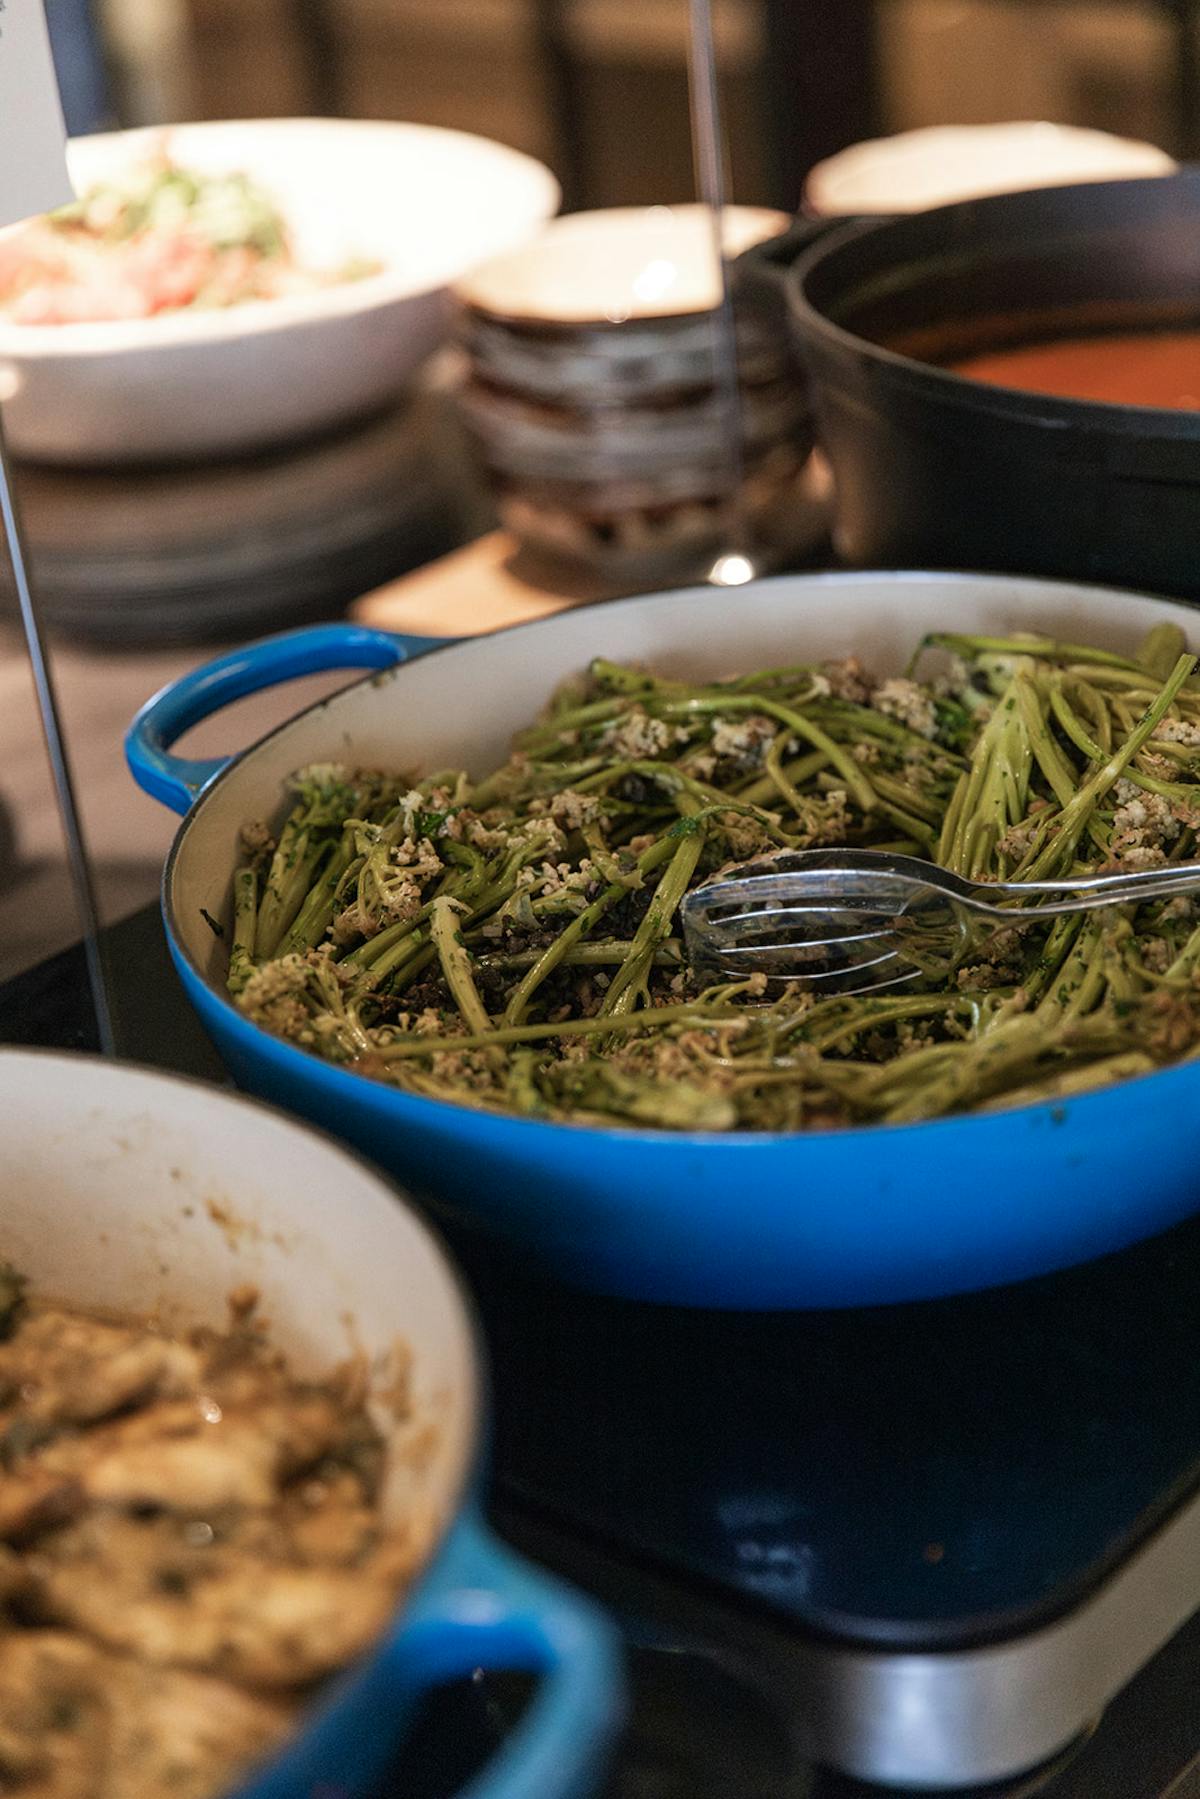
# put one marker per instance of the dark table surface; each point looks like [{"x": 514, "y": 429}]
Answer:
[{"x": 701, "y": 1726}]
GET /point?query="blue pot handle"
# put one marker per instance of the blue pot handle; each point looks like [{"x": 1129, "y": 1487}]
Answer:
[
  {"x": 178, "y": 781},
  {"x": 490, "y": 1609}
]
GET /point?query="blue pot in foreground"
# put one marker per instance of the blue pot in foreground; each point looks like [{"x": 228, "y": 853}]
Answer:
[
  {"x": 821, "y": 1219},
  {"x": 129, "y": 1162}
]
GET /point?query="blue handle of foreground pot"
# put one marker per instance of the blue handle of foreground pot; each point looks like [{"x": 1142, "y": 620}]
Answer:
[
  {"x": 177, "y": 780},
  {"x": 489, "y": 1609},
  {"x": 479, "y": 1607}
]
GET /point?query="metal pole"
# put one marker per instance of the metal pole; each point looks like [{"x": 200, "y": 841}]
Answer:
[
  {"x": 320, "y": 38},
  {"x": 708, "y": 150},
  {"x": 818, "y": 85},
  {"x": 564, "y": 91},
  {"x": 60, "y": 766},
  {"x": 1186, "y": 82}
]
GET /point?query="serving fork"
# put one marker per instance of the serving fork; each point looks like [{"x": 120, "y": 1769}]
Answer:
[{"x": 855, "y": 921}]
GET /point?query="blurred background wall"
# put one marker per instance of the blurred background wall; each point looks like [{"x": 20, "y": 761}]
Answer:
[{"x": 598, "y": 87}]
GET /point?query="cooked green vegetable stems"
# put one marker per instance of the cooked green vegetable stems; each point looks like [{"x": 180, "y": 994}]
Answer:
[{"x": 512, "y": 942}]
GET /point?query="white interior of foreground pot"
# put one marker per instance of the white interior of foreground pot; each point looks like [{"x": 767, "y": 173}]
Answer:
[
  {"x": 460, "y": 708},
  {"x": 123, "y": 1189}
]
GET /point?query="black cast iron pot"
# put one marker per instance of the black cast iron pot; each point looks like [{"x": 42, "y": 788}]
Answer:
[{"x": 932, "y": 469}]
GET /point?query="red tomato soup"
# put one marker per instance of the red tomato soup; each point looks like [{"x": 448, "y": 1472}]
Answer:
[{"x": 1159, "y": 368}]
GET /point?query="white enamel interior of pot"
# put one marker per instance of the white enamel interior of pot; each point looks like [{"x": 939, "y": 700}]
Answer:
[
  {"x": 460, "y": 707},
  {"x": 128, "y": 1189}
]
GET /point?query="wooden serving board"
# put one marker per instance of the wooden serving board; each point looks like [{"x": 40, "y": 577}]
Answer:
[
  {"x": 486, "y": 586},
  {"x": 495, "y": 582}
]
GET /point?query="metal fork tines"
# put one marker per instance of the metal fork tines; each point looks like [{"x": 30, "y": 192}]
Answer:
[{"x": 853, "y": 921}]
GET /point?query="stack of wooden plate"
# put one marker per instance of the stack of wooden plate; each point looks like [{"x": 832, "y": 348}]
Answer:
[{"x": 594, "y": 402}]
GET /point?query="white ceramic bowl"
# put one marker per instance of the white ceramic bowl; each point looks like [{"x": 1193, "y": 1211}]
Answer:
[
  {"x": 128, "y": 1189},
  {"x": 939, "y": 164},
  {"x": 427, "y": 204}
]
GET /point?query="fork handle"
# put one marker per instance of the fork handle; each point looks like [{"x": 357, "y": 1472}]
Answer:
[{"x": 1084, "y": 892}]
